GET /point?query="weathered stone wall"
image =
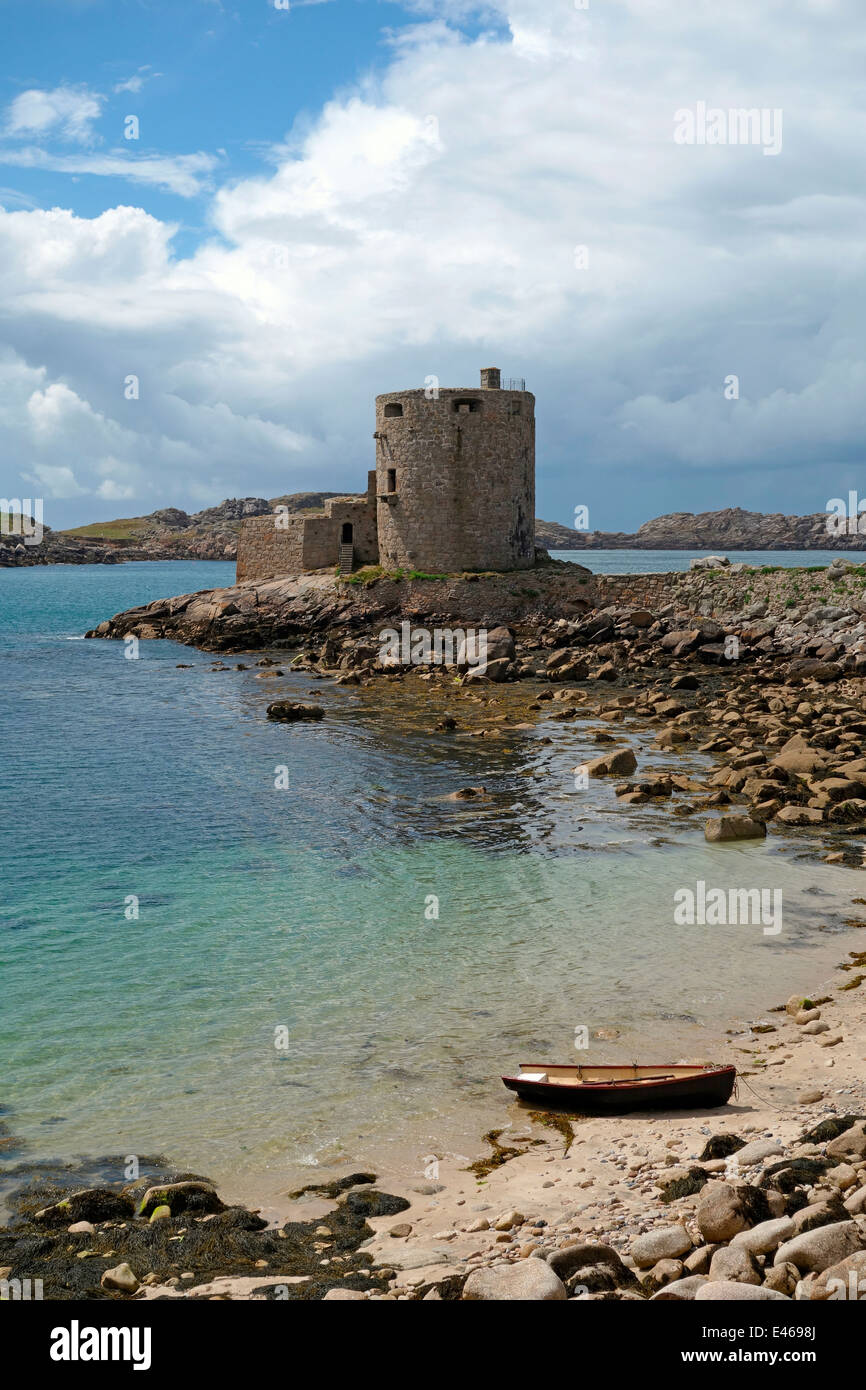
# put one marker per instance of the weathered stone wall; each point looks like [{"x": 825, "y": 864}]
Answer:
[
  {"x": 264, "y": 552},
  {"x": 713, "y": 593},
  {"x": 453, "y": 490},
  {"x": 463, "y": 483},
  {"x": 300, "y": 543},
  {"x": 362, "y": 517},
  {"x": 321, "y": 543}
]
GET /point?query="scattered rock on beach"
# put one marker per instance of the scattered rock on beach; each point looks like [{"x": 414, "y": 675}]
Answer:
[
  {"x": 817, "y": 1250},
  {"x": 121, "y": 1278},
  {"x": 735, "y": 1263},
  {"x": 619, "y": 762},
  {"x": 725, "y": 1209},
  {"x": 667, "y": 1242},
  {"x": 95, "y": 1204},
  {"x": 591, "y": 1266},
  {"x": 189, "y": 1196},
  {"x": 529, "y": 1280},
  {"x": 765, "y": 1237},
  {"x": 726, "y": 1291}
]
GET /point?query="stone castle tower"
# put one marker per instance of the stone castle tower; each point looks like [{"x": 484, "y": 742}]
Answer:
[
  {"x": 455, "y": 478},
  {"x": 453, "y": 489}
]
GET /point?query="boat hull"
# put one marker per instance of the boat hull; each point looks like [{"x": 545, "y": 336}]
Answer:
[{"x": 697, "y": 1090}]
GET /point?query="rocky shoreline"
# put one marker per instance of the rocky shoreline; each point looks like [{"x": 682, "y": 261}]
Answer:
[
  {"x": 775, "y": 697},
  {"x": 166, "y": 534},
  {"x": 763, "y": 1199},
  {"x": 172, "y": 1236}
]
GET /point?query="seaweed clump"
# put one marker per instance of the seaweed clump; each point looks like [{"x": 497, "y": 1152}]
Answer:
[
  {"x": 501, "y": 1154},
  {"x": 695, "y": 1179},
  {"x": 555, "y": 1121},
  {"x": 830, "y": 1129},
  {"x": 795, "y": 1172},
  {"x": 334, "y": 1189},
  {"x": 722, "y": 1146},
  {"x": 189, "y": 1242}
]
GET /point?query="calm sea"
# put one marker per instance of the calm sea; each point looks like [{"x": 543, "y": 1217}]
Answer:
[{"x": 259, "y": 980}]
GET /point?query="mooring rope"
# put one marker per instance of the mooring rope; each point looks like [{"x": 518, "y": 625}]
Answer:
[{"x": 741, "y": 1077}]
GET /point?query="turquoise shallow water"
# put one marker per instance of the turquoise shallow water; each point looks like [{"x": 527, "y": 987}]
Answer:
[{"x": 298, "y": 915}]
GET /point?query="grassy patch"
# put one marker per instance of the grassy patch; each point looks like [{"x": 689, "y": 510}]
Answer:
[
  {"x": 369, "y": 575},
  {"x": 121, "y": 530}
]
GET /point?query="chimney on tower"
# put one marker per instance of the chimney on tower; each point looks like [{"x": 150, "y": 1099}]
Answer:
[{"x": 490, "y": 378}]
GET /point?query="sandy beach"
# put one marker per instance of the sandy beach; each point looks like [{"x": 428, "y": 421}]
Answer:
[{"x": 605, "y": 1186}]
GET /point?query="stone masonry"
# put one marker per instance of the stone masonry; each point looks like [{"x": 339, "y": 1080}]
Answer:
[
  {"x": 453, "y": 490},
  {"x": 277, "y": 544},
  {"x": 719, "y": 593},
  {"x": 455, "y": 477}
]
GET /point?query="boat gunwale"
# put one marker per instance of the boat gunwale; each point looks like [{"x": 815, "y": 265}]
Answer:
[{"x": 623, "y": 1084}]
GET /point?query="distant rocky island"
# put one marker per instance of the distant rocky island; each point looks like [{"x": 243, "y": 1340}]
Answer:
[
  {"x": 212, "y": 534},
  {"x": 729, "y": 529}
]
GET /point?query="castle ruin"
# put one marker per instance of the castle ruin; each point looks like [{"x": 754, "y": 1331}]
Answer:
[{"x": 453, "y": 489}]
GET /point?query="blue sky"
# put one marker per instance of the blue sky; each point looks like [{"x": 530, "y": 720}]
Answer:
[
  {"x": 225, "y": 80},
  {"x": 352, "y": 195}
]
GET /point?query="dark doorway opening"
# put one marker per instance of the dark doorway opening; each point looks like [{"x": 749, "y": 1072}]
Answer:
[{"x": 346, "y": 534}]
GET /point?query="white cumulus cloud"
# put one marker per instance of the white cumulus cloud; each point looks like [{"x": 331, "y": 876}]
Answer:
[
  {"x": 67, "y": 112},
  {"x": 512, "y": 195}
]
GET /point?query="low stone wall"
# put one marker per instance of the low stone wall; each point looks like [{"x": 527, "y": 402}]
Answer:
[
  {"x": 274, "y": 545},
  {"x": 560, "y": 590},
  {"x": 715, "y": 593},
  {"x": 264, "y": 552}
]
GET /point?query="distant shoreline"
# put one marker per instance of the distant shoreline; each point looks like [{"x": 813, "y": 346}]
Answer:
[
  {"x": 561, "y": 554},
  {"x": 172, "y": 534}
]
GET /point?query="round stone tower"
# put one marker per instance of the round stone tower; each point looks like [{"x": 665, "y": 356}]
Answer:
[{"x": 455, "y": 477}]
